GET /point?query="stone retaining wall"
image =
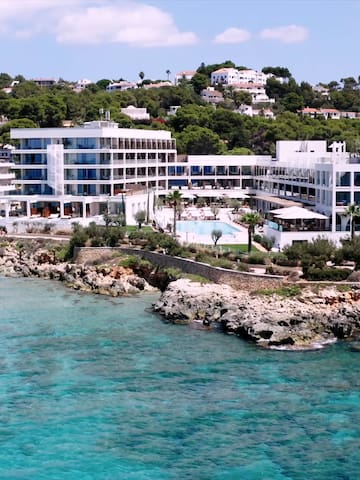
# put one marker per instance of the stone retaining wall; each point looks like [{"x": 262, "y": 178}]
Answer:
[{"x": 239, "y": 280}]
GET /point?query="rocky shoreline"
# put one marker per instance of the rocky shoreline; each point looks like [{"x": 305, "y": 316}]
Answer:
[
  {"x": 309, "y": 321},
  {"x": 109, "y": 279}
]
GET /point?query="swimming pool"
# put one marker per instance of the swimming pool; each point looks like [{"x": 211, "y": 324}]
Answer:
[{"x": 205, "y": 227}]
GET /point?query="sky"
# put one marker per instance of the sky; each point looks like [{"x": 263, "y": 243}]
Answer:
[{"x": 317, "y": 40}]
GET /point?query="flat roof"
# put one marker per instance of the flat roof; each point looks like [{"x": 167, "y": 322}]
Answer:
[{"x": 279, "y": 201}]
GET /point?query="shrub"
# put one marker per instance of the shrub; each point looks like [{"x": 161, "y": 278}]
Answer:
[
  {"x": 327, "y": 273},
  {"x": 258, "y": 258},
  {"x": 222, "y": 263},
  {"x": 132, "y": 261},
  {"x": 242, "y": 267},
  {"x": 290, "y": 291},
  {"x": 281, "y": 259}
]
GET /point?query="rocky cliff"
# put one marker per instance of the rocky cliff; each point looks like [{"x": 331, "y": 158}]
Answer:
[
  {"x": 108, "y": 279},
  {"x": 309, "y": 320}
]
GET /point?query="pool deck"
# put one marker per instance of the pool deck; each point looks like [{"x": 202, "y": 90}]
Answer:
[{"x": 204, "y": 214}]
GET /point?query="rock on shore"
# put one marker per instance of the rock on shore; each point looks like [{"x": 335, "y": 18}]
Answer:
[
  {"x": 104, "y": 279},
  {"x": 307, "y": 321}
]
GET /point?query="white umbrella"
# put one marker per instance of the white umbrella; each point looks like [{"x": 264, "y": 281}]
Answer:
[{"x": 298, "y": 213}]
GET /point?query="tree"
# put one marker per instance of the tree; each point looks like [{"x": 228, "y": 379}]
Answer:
[
  {"x": 141, "y": 76},
  {"x": 251, "y": 219},
  {"x": 199, "y": 141},
  {"x": 353, "y": 211},
  {"x": 174, "y": 198},
  {"x": 214, "y": 210},
  {"x": 140, "y": 217},
  {"x": 216, "y": 234},
  {"x": 277, "y": 71},
  {"x": 5, "y": 80},
  {"x": 168, "y": 72},
  {"x": 103, "y": 83},
  {"x": 199, "y": 82}
]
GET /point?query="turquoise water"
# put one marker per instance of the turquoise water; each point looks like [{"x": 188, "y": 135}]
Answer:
[
  {"x": 205, "y": 227},
  {"x": 97, "y": 388}
]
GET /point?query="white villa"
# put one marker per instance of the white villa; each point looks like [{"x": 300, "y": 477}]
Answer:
[
  {"x": 80, "y": 171},
  {"x": 135, "y": 113},
  {"x": 231, "y": 76},
  {"x": 121, "y": 86}
]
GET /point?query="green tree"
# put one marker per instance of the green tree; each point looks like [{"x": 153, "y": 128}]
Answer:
[
  {"x": 140, "y": 217},
  {"x": 174, "y": 198},
  {"x": 103, "y": 83},
  {"x": 214, "y": 210},
  {"x": 199, "y": 82},
  {"x": 277, "y": 71},
  {"x": 353, "y": 211},
  {"x": 168, "y": 73},
  {"x": 252, "y": 219},
  {"x": 199, "y": 141},
  {"x": 5, "y": 80},
  {"x": 216, "y": 234}
]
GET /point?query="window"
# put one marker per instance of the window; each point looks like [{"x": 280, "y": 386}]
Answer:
[{"x": 343, "y": 179}]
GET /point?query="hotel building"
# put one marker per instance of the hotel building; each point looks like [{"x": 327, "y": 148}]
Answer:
[{"x": 79, "y": 170}]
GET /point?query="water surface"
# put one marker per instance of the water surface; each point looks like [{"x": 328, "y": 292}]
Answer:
[{"x": 97, "y": 388}]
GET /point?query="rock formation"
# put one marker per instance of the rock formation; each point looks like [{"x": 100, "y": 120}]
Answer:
[
  {"x": 103, "y": 279},
  {"x": 308, "y": 321}
]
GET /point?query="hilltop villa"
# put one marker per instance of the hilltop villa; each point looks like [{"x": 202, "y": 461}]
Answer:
[{"x": 80, "y": 171}]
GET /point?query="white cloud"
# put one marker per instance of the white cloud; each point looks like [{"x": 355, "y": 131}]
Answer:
[
  {"x": 94, "y": 22},
  {"x": 134, "y": 24},
  {"x": 233, "y": 35},
  {"x": 287, "y": 34}
]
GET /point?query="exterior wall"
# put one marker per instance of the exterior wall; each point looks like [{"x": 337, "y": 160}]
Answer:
[
  {"x": 98, "y": 159},
  {"x": 238, "y": 280}
]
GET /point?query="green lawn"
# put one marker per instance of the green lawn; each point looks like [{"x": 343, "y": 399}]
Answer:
[{"x": 240, "y": 248}]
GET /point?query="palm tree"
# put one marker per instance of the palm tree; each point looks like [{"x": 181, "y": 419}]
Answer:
[
  {"x": 353, "y": 211},
  {"x": 251, "y": 219},
  {"x": 168, "y": 74},
  {"x": 174, "y": 198},
  {"x": 141, "y": 76}
]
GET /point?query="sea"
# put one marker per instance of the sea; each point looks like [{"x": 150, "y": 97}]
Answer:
[{"x": 100, "y": 388}]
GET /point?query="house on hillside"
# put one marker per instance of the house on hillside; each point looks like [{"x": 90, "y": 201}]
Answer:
[
  {"x": 212, "y": 96},
  {"x": 184, "y": 75},
  {"x": 121, "y": 86},
  {"x": 136, "y": 113}
]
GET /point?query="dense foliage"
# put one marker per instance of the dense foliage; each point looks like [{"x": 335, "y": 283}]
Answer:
[{"x": 198, "y": 127}]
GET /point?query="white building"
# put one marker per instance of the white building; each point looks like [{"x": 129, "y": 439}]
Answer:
[
  {"x": 121, "y": 86},
  {"x": 136, "y": 113},
  {"x": 212, "y": 96},
  {"x": 256, "y": 90},
  {"x": 184, "y": 75},
  {"x": 80, "y": 171},
  {"x": 83, "y": 168},
  {"x": 225, "y": 76},
  {"x": 231, "y": 76},
  {"x": 81, "y": 84},
  {"x": 7, "y": 176},
  {"x": 250, "y": 111}
]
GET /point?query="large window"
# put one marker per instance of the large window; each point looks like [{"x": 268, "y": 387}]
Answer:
[
  {"x": 80, "y": 143},
  {"x": 342, "y": 198},
  {"x": 343, "y": 179}
]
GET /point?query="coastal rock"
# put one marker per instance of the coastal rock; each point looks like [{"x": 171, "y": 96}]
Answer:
[
  {"x": 104, "y": 280},
  {"x": 272, "y": 321}
]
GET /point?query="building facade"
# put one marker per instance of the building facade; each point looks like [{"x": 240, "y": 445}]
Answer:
[{"x": 85, "y": 168}]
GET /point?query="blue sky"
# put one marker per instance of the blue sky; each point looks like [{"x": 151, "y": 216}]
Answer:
[{"x": 316, "y": 39}]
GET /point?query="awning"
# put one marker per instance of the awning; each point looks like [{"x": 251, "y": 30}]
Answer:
[
  {"x": 277, "y": 200},
  {"x": 297, "y": 213}
]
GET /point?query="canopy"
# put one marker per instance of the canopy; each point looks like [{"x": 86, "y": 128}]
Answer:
[{"x": 294, "y": 213}]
